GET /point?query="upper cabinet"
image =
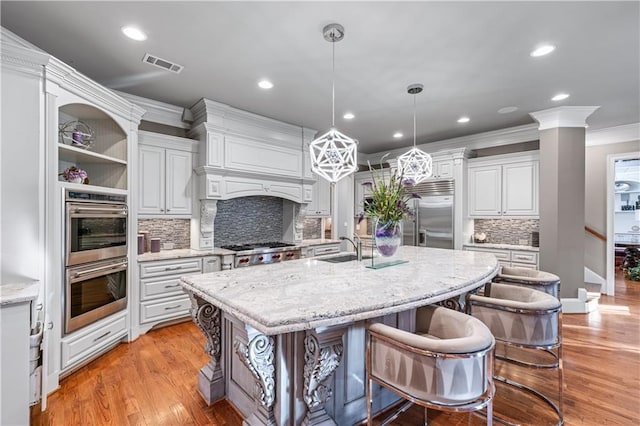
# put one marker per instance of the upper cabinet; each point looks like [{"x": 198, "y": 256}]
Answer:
[
  {"x": 503, "y": 187},
  {"x": 90, "y": 140},
  {"x": 321, "y": 199},
  {"x": 442, "y": 169},
  {"x": 165, "y": 175}
]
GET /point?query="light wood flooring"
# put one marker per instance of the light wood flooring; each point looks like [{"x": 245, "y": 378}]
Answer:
[{"x": 152, "y": 381}]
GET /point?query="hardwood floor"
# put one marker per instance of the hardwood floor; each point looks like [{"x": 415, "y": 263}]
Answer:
[{"x": 152, "y": 381}]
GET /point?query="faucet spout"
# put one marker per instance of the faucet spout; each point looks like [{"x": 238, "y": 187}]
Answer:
[{"x": 357, "y": 247}]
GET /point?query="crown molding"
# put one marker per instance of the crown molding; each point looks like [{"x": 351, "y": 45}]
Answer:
[
  {"x": 160, "y": 112},
  {"x": 564, "y": 116},
  {"x": 610, "y": 135}
]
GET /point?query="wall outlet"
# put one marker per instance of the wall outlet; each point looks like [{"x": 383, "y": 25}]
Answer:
[
  {"x": 168, "y": 246},
  {"x": 523, "y": 242}
]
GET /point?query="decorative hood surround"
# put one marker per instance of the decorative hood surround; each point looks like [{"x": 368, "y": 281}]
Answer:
[{"x": 245, "y": 155}]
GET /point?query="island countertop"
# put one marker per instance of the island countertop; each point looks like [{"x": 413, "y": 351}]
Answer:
[{"x": 309, "y": 293}]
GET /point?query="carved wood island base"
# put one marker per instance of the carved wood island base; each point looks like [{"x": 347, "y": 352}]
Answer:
[{"x": 287, "y": 341}]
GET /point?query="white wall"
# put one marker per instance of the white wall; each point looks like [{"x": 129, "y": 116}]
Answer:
[
  {"x": 596, "y": 200},
  {"x": 21, "y": 181}
]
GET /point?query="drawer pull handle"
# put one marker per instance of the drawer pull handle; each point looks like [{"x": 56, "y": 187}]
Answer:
[
  {"x": 172, "y": 286},
  {"x": 168, "y": 308},
  {"x": 172, "y": 268},
  {"x": 102, "y": 336},
  {"x": 522, "y": 257}
]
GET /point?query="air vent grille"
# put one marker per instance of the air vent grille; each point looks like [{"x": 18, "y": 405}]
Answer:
[
  {"x": 162, "y": 63},
  {"x": 435, "y": 187}
]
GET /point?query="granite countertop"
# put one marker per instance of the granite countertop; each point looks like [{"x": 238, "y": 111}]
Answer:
[
  {"x": 181, "y": 253},
  {"x": 308, "y": 293},
  {"x": 13, "y": 293},
  {"x": 502, "y": 246}
]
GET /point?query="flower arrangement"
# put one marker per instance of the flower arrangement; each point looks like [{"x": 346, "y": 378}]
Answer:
[
  {"x": 389, "y": 198},
  {"x": 74, "y": 174}
]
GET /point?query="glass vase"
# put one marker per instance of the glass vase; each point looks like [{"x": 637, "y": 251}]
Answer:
[{"x": 387, "y": 237}]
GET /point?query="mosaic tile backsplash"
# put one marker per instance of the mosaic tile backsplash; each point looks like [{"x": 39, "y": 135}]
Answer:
[
  {"x": 507, "y": 231},
  {"x": 248, "y": 220},
  {"x": 176, "y": 231},
  {"x": 312, "y": 228}
]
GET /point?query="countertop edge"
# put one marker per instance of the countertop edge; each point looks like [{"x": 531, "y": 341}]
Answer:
[
  {"x": 502, "y": 246},
  {"x": 14, "y": 293}
]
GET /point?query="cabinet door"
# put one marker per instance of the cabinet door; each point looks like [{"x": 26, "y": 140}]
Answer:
[
  {"x": 178, "y": 182},
  {"x": 443, "y": 169},
  {"x": 321, "y": 204},
  {"x": 520, "y": 189},
  {"x": 484, "y": 191},
  {"x": 151, "y": 176}
]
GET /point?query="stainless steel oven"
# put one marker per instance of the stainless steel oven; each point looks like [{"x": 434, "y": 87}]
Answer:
[
  {"x": 96, "y": 226},
  {"x": 94, "y": 291}
]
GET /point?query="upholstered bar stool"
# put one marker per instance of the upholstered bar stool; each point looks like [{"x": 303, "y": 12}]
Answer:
[
  {"x": 528, "y": 319},
  {"x": 447, "y": 364},
  {"x": 537, "y": 280}
]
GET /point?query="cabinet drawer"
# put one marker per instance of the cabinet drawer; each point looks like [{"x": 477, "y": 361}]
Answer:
[
  {"x": 502, "y": 255},
  {"x": 524, "y": 257},
  {"x": 165, "y": 309},
  {"x": 320, "y": 250},
  {"x": 174, "y": 267},
  {"x": 161, "y": 287},
  {"x": 524, "y": 265},
  {"x": 83, "y": 346}
]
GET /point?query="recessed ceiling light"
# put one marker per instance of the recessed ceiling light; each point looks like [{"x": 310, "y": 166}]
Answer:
[
  {"x": 348, "y": 116},
  {"x": 543, "y": 50},
  {"x": 397, "y": 135},
  {"x": 463, "y": 120},
  {"x": 134, "y": 33},
  {"x": 560, "y": 97},
  {"x": 507, "y": 110},
  {"x": 265, "y": 84}
]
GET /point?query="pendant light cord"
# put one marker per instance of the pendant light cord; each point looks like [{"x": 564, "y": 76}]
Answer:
[
  {"x": 414, "y": 120},
  {"x": 333, "y": 83}
]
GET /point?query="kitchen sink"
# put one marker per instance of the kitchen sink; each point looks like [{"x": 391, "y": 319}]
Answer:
[{"x": 343, "y": 258}]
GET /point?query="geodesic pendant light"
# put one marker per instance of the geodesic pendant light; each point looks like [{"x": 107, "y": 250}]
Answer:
[
  {"x": 333, "y": 154},
  {"x": 415, "y": 164}
]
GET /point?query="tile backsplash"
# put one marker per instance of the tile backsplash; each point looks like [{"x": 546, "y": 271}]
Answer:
[
  {"x": 507, "y": 231},
  {"x": 312, "y": 228},
  {"x": 248, "y": 220},
  {"x": 170, "y": 231}
]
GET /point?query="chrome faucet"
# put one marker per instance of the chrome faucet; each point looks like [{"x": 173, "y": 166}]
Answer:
[{"x": 357, "y": 247}]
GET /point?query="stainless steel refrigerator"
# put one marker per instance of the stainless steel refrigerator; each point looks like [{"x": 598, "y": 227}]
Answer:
[{"x": 432, "y": 222}]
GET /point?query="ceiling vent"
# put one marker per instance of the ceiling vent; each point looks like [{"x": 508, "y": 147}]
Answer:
[{"x": 162, "y": 63}]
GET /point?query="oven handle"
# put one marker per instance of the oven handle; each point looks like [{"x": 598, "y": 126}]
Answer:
[
  {"x": 116, "y": 266},
  {"x": 110, "y": 210}
]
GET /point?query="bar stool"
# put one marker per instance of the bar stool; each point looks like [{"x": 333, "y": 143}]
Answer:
[
  {"x": 447, "y": 364},
  {"x": 537, "y": 280},
  {"x": 528, "y": 319}
]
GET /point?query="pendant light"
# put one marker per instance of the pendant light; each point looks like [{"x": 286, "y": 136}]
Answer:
[
  {"x": 333, "y": 154},
  {"x": 415, "y": 164}
]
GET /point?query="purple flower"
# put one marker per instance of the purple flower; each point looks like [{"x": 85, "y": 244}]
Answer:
[{"x": 408, "y": 182}]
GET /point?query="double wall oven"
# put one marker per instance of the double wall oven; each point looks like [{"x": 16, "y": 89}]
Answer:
[{"x": 95, "y": 257}]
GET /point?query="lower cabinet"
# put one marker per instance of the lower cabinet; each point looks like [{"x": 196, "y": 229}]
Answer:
[
  {"x": 321, "y": 249},
  {"x": 513, "y": 258},
  {"x": 93, "y": 340},
  {"x": 161, "y": 296}
]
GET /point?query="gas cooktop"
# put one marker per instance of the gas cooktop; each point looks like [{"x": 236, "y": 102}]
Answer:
[{"x": 255, "y": 246}]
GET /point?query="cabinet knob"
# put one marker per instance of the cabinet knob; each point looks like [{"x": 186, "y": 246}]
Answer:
[
  {"x": 50, "y": 325},
  {"x": 161, "y": 210},
  {"x": 168, "y": 210}
]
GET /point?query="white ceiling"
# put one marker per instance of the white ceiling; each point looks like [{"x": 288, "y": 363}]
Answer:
[{"x": 472, "y": 57}]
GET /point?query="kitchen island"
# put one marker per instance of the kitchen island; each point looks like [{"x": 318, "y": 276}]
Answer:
[{"x": 287, "y": 340}]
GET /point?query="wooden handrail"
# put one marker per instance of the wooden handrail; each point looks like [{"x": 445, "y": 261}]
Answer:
[{"x": 595, "y": 233}]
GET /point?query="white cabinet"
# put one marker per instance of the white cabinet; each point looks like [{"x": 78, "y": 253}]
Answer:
[
  {"x": 508, "y": 189},
  {"x": 321, "y": 249},
  {"x": 508, "y": 257},
  {"x": 161, "y": 296},
  {"x": 442, "y": 169},
  {"x": 165, "y": 175},
  {"x": 14, "y": 363},
  {"x": 321, "y": 201}
]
